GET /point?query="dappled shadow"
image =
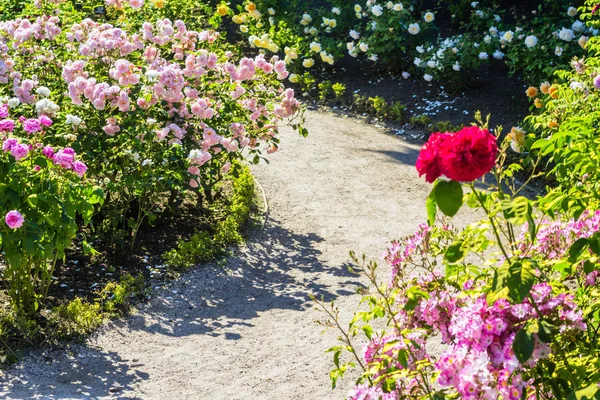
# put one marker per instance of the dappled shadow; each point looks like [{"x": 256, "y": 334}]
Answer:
[
  {"x": 91, "y": 373},
  {"x": 279, "y": 269},
  {"x": 406, "y": 155}
]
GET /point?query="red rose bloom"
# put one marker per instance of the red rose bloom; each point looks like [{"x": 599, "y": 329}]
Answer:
[
  {"x": 429, "y": 161},
  {"x": 468, "y": 154}
]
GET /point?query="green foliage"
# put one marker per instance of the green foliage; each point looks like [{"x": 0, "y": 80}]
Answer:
[
  {"x": 443, "y": 126},
  {"x": 339, "y": 89},
  {"x": 117, "y": 297},
  {"x": 75, "y": 319},
  {"x": 325, "y": 90},
  {"x": 206, "y": 246},
  {"x": 379, "y": 105},
  {"x": 420, "y": 121}
]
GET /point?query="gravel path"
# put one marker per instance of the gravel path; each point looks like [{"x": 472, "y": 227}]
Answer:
[{"x": 247, "y": 331}]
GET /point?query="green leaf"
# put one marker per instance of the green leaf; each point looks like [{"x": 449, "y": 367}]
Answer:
[
  {"x": 587, "y": 393},
  {"x": 449, "y": 197},
  {"x": 520, "y": 279},
  {"x": 523, "y": 345},
  {"x": 545, "y": 331},
  {"x": 431, "y": 207},
  {"x": 577, "y": 249},
  {"x": 403, "y": 357},
  {"x": 454, "y": 253},
  {"x": 368, "y": 331},
  {"x": 32, "y": 200}
]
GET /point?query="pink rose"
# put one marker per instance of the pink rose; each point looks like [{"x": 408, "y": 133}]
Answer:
[
  {"x": 19, "y": 151},
  {"x": 14, "y": 219},
  {"x": 7, "y": 125}
]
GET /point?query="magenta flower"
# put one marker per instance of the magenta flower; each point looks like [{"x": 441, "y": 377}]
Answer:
[
  {"x": 79, "y": 168},
  {"x": 19, "y": 151},
  {"x": 32, "y": 125},
  {"x": 48, "y": 151},
  {"x": 44, "y": 120},
  {"x": 64, "y": 157},
  {"x": 4, "y": 111},
  {"x": 9, "y": 143},
  {"x": 14, "y": 219},
  {"x": 7, "y": 125}
]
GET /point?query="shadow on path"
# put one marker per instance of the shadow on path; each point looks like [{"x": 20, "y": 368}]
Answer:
[
  {"x": 278, "y": 270},
  {"x": 93, "y": 374}
]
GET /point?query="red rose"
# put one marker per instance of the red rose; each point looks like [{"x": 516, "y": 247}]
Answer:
[
  {"x": 468, "y": 154},
  {"x": 429, "y": 162}
]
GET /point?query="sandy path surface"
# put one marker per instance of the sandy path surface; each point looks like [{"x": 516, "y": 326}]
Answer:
[{"x": 247, "y": 331}]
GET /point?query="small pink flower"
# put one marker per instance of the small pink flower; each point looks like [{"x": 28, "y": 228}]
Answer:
[
  {"x": 19, "y": 151},
  {"x": 14, "y": 219},
  {"x": 4, "y": 111},
  {"x": 136, "y": 3},
  {"x": 48, "y": 151},
  {"x": 45, "y": 121},
  {"x": 79, "y": 168}
]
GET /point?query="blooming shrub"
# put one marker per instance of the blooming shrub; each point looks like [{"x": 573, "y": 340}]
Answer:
[
  {"x": 152, "y": 112},
  {"x": 43, "y": 197},
  {"x": 114, "y": 126},
  {"x": 482, "y": 312}
]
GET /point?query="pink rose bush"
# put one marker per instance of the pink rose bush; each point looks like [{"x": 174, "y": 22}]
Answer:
[
  {"x": 43, "y": 193},
  {"x": 160, "y": 109},
  {"x": 132, "y": 114}
]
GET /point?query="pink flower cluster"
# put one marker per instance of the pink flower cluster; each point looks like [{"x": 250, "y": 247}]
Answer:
[
  {"x": 403, "y": 251},
  {"x": 18, "y": 150},
  {"x": 554, "y": 239},
  {"x": 66, "y": 159}
]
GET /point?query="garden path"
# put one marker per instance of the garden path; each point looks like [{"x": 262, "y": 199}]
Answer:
[{"x": 247, "y": 331}]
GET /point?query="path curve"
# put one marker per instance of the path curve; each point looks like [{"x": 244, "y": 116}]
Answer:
[{"x": 247, "y": 331}]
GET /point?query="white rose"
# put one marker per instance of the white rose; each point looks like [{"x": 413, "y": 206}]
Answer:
[
  {"x": 456, "y": 66},
  {"x": 571, "y": 11},
  {"x": 414, "y": 29},
  {"x": 428, "y": 17},
  {"x": 558, "y": 51},
  {"x": 428, "y": 77},
  {"x": 377, "y": 11},
  {"x": 566, "y": 34},
  {"x": 483, "y": 55},
  {"x": 498, "y": 55},
  {"x": 578, "y": 26},
  {"x": 73, "y": 120},
  {"x": 315, "y": 47},
  {"x": 508, "y": 36},
  {"x": 531, "y": 41},
  {"x": 43, "y": 91},
  {"x": 14, "y": 102}
]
